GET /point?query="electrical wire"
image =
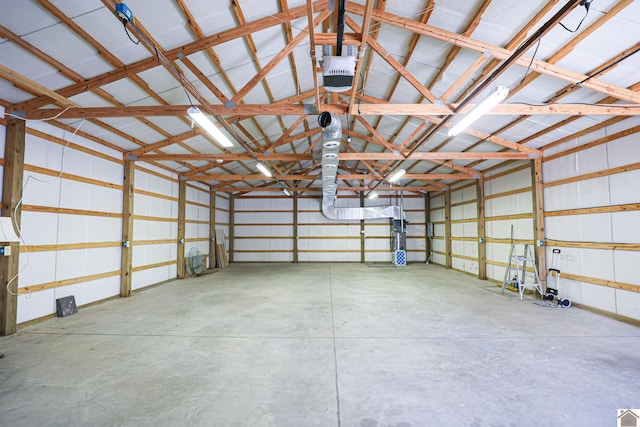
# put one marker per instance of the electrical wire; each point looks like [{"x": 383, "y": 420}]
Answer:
[
  {"x": 530, "y": 104},
  {"x": 586, "y": 5},
  {"x": 15, "y": 209},
  {"x": 124, "y": 23},
  {"x": 45, "y": 119},
  {"x": 613, "y": 64},
  {"x": 535, "y": 52}
]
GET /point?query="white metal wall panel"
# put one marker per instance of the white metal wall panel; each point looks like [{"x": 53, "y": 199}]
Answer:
[
  {"x": 585, "y": 228},
  {"x": 626, "y": 226},
  {"x": 197, "y": 209},
  {"x": 316, "y": 242},
  {"x": 628, "y": 303},
  {"x": 437, "y": 214},
  {"x": 222, "y": 216},
  {"x": 416, "y": 229},
  {"x": 466, "y": 209},
  {"x": 52, "y": 267},
  {"x": 149, "y": 253},
  {"x": 605, "y": 264},
  {"x": 626, "y": 264},
  {"x": 267, "y": 235},
  {"x": 511, "y": 204},
  {"x": 377, "y": 242},
  {"x": 624, "y": 187}
]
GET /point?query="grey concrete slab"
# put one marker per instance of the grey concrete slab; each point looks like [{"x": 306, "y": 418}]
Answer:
[{"x": 321, "y": 345}]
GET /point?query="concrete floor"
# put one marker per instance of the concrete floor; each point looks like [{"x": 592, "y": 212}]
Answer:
[{"x": 321, "y": 345}]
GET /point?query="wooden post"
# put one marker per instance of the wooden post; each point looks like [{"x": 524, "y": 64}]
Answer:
[
  {"x": 538, "y": 219},
  {"x": 11, "y": 195},
  {"x": 182, "y": 210},
  {"x": 427, "y": 220},
  {"x": 482, "y": 245},
  {"x": 447, "y": 228},
  {"x": 212, "y": 229},
  {"x": 126, "y": 269},
  {"x": 295, "y": 227},
  {"x": 362, "y": 234},
  {"x": 232, "y": 199}
]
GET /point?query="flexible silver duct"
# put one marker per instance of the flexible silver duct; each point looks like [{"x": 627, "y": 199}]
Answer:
[{"x": 331, "y": 138}]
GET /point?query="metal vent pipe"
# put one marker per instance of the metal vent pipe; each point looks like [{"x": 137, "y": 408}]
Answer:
[{"x": 331, "y": 139}]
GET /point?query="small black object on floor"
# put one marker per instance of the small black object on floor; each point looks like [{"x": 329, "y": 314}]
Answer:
[{"x": 66, "y": 306}]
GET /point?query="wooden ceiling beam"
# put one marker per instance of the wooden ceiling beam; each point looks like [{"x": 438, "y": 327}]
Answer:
[
  {"x": 277, "y": 59},
  {"x": 366, "y": 20},
  {"x": 498, "y": 53},
  {"x": 173, "y": 54},
  {"x": 305, "y": 177},
  {"x": 330, "y": 39},
  {"x": 396, "y": 65},
  {"x": 378, "y": 109},
  {"x": 426, "y": 14},
  {"x": 164, "y": 143},
  {"x": 235, "y": 4},
  {"x": 484, "y": 136},
  {"x": 493, "y": 63},
  {"x": 319, "y": 190},
  {"x": 33, "y": 87},
  {"x": 342, "y": 156},
  {"x": 312, "y": 51},
  {"x": 568, "y": 47},
  {"x": 453, "y": 52}
]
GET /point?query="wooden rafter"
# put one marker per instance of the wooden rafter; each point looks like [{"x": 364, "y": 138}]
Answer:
[
  {"x": 499, "y": 53},
  {"x": 33, "y": 87},
  {"x": 493, "y": 63},
  {"x": 277, "y": 59},
  {"x": 394, "y": 63},
  {"x": 366, "y": 20},
  {"x": 173, "y": 54},
  {"x": 312, "y": 48}
]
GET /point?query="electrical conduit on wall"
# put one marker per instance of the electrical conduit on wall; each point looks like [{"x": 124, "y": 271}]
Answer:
[{"x": 331, "y": 138}]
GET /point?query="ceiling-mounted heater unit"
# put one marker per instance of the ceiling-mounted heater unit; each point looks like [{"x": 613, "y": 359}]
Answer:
[{"x": 338, "y": 72}]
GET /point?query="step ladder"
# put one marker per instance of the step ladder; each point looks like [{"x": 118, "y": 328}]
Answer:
[{"x": 517, "y": 274}]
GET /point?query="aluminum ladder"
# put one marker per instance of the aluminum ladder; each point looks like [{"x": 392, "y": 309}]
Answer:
[{"x": 518, "y": 265}]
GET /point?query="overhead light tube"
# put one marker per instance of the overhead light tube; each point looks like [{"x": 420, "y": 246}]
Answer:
[
  {"x": 266, "y": 172},
  {"x": 286, "y": 192},
  {"x": 206, "y": 124},
  {"x": 372, "y": 196},
  {"x": 480, "y": 110},
  {"x": 397, "y": 175}
]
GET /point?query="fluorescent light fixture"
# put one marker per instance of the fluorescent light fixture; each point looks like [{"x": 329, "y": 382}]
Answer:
[
  {"x": 266, "y": 172},
  {"x": 286, "y": 192},
  {"x": 480, "y": 110},
  {"x": 206, "y": 124},
  {"x": 372, "y": 196},
  {"x": 396, "y": 176}
]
